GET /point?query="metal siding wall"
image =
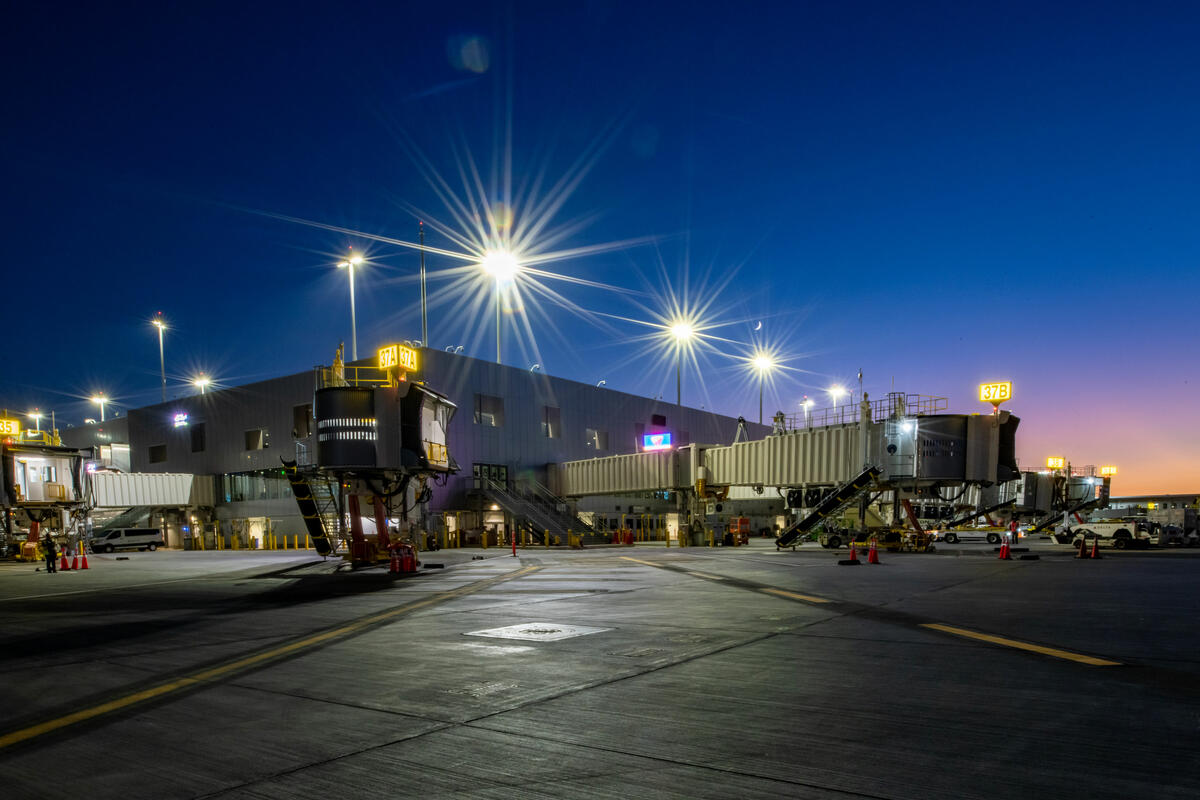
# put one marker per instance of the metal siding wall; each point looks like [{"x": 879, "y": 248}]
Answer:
[
  {"x": 112, "y": 490},
  {"x": 818, "y": 455}
]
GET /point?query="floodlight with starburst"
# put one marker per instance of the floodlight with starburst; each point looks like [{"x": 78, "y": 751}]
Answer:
[{"x": 500, "y": 264}]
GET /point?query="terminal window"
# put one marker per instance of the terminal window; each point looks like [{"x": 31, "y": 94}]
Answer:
[
  {"x": 597, "y": 439},
  {"x": 198, "y": 438},
  {"x": 158, "y": 453},
  {"x": 551, "y": 422},
  {"x": 256, "y": 439},
  {"x": 302, "y": 421},
  {"x": 489, "y": 411}
]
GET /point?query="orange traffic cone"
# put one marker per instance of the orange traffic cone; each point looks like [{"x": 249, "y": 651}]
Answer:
[
  {"x": 873, "y": 555},
  {"x": 64, "y": 566},
  {"x": 1004, "y": 554},
  {"x": 395, "y": 565},
  {"x": 75, "y": 561},
  {"x": 853, "y": 552},
  {"x": 84, "y": 564},
  {"x": 1082, "y": 548},
  {"x": 1096, "y": 547}
]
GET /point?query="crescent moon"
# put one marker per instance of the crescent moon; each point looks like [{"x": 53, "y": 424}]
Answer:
[{"x": 758, "y": 327}]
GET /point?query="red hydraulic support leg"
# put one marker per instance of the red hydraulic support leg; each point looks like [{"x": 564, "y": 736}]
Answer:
[{"x": 385, "y": 542}]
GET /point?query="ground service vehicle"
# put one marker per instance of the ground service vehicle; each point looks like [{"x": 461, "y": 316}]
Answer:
[
  {"x": 991, "y": 535},
  {"x": 1120, "y": 533},
  {"x": 127, "y": 539}
]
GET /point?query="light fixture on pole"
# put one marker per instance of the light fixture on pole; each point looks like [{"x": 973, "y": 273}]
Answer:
[
  {"x": 101, "y": 399},
  {"x": 349, "y": 264},
  {"x": 203, "y": 381},
  {"x": 762, "y": 364},
  {"x": 683, "y": 333},
  {"x": 36, "y": 415},
  {"x": 835, "y": 392},
  {"x": 808, "y": 404},
  {"x": 161, "y": 324},
  {"x": 503, "y": 267}
]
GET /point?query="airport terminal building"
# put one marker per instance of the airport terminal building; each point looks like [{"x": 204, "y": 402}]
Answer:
[{"x": 511, "y": 426}]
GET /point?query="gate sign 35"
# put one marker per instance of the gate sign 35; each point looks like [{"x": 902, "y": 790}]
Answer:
[{"x": 995, "y": 393}]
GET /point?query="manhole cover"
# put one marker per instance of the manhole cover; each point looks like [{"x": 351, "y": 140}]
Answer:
[{"x": 538, "y": 631}]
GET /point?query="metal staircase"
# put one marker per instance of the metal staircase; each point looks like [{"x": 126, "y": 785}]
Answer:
[
  {"x": 534, "y": 507},
  {"x": 830, "y": 504},
  {"x": 316, "y": 497}
]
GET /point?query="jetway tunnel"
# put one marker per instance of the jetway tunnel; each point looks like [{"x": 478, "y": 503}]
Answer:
[{"x": 910, "y": 453}]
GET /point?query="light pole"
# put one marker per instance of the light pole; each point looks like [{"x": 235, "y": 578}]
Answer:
[
  {"x": 349, "y": 264},
  {"x": 203, "y": 381},
  {"x": 101, "y": 399},
  {"x": 503, "y": 267},
  {"x": 682, "y": 331},
  {"x": 763, "y": 364},
  {"x": 424, "y": 315},
  {"x": 835, "y": 392},
  {"x": 808, "y": 403},
  {"x": 162, "y": 364},
  {"x": 36, "y": 415}
]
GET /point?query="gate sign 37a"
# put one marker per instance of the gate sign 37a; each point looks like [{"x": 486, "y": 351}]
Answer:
[{"x": 995, "y": 393}]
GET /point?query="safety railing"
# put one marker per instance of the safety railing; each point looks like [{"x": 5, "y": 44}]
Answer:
[{"x": 895, "y": 404}]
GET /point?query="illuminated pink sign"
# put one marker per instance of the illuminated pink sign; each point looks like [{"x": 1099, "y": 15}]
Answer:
[{"x": 656, "y": 441}]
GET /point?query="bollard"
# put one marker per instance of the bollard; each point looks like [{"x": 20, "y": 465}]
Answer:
[{"x": 547, "y": 534}]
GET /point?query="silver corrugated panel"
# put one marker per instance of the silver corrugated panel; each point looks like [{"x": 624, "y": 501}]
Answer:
[
  {"x": 204, "y": 490},
  {"x": 639, "y": 472},
  {"x": 125, "y": 490},
  {"x": 827, "y": 455}
]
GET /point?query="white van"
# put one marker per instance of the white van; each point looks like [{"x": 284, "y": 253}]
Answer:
[{"x": 127, "y": 539}]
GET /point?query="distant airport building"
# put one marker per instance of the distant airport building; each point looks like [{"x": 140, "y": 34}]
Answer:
[
  {"x": 1153, "y": 502},
  {"x": 511, "y": 427}
]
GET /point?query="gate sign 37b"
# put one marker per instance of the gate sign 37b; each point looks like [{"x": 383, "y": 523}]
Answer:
[{"x": 995, "y": 393}]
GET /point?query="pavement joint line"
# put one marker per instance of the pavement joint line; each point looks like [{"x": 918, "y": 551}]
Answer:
[
  {"x": 1016, "y": 644},
  {"x": 205, "y": 675},
  {"x": 109, "y": 588},
  {"x": 1019, "y": 645}
]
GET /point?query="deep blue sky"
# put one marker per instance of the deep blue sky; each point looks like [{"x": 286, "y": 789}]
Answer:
[{"x": 936, "y": 193}]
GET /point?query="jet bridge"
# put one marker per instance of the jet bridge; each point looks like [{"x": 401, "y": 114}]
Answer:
[
  {"x": 910, "y": 453},
  {"x": 913, "y": 454}
]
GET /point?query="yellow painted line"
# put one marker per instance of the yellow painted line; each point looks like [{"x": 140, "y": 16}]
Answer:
[
  {"x": 1019, "y": 645},
  {"x": 808, "y": 598},
  {"x": 639, "y": 561},
  {"x": 188, "y": 681},
  {"x": 706, "y": 575}
]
